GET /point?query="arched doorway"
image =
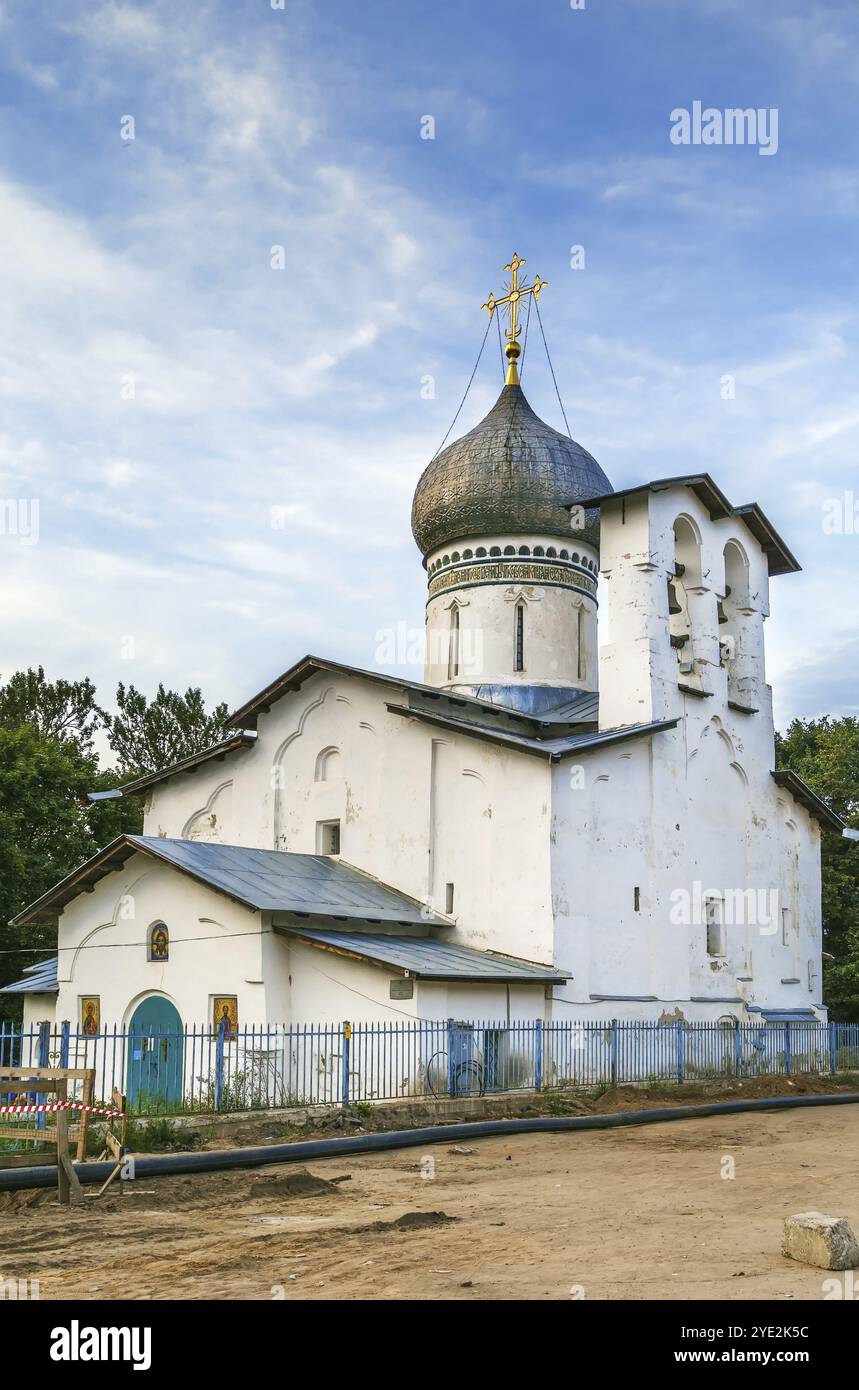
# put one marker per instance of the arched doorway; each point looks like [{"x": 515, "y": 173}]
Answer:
[{"x": 156, "y": 1053}]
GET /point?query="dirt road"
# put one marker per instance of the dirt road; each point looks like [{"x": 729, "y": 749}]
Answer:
[{"x": 635, "y": 1213}]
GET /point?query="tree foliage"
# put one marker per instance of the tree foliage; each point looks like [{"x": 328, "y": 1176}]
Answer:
[
  {"x": 147, "y": 735},
  {"x": 825, "y": 754},
  {"x": 48, "y": 764},
  {"x": 63, "y": 710}
]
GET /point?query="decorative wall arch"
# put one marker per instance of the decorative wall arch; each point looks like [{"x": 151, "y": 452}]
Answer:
[
  {"x": 105, "y": 926},
  {"x": 329, "y": 764},
  {"x": 207, "y": 817}
]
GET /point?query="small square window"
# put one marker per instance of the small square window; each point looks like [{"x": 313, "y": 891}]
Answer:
[{"x": 328, "y": 837}]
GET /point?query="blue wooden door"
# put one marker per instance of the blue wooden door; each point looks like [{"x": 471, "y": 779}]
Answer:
[{"x": 156, "y": 1050}]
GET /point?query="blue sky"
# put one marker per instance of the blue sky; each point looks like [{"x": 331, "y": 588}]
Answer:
[{"x": 148, "y": 261}]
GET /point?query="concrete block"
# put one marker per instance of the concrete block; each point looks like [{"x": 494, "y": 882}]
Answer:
[{"x": 827, "y": 1242}]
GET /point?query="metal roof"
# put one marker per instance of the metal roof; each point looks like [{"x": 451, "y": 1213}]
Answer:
[
  {"x": 293, "y": 679},
  {"x": 40, "y": 978},
  {"x": 813, "y": 804},
  {"x": 553, "y": 746},
  {"x": 797, "y": 1015},
  {"x": 265, "y": 880},
  {"x": 780, "y": 560},
  {"x": 218, "y": 752},
  {"x": 428, "y": 959},
  {"x": 511, "y": 474}
]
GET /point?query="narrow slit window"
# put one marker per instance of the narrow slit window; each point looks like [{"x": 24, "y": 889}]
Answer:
[
  {"x": 453, "y": 650},
  {"x": 519, "y": 654},
  {"x": 580, "y": 639},
  {"x": 715, "y": 927},
  {"x": 448, "y": 898}
]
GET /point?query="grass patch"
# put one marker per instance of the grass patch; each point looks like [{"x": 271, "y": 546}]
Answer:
[{"x": 158, "y": 1135}]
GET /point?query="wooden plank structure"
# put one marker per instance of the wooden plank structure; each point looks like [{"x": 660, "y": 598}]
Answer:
[
  {"x": 17, "y": 1084},
  {"x": 114, "y": 1144}
]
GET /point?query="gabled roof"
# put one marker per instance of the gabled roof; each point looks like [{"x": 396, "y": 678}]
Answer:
[
  {"x": 428, "y": 959},
  {"x": 217, "y": 752},
  {"x": 266, "y": 880},
  {"x": 779, "y": 559},
  {"x": 813, "y": 804},
  {"x": 40, "y": 978}
]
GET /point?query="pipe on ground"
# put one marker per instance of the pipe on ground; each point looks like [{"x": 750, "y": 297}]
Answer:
[{"x": 152, "y": 1165}]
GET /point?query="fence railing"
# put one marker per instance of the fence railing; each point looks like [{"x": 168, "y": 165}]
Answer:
[{"x": 202, "y": 1069}]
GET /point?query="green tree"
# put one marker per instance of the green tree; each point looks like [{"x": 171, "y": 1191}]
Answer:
[
  {"x": 825, "y": 754},
  {"x": 47, "y": 829},
  {"x": 147, "y": 736},
  {"x": 64, "y": 710}
]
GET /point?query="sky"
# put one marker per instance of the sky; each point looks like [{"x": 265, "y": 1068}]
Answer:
[{"x": 230, "y": 261}]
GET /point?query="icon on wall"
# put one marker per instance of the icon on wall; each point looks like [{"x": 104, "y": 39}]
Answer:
[
  {"x": 159, "y": 942},
  {"x": 90, "y": 1014},
  {"x": 226, "y": 1015}
]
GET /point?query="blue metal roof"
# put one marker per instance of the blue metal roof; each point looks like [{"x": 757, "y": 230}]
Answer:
[
  {"x": 797, "y": 1015},
  {"x": 40, "y": 978},
  {"x": 428, "y": 959}
]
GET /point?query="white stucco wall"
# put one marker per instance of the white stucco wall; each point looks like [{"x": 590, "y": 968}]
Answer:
[
  {"x": 215, "y": 947},
  {"x": 418, "y": 807},
  {"x": 692, "y": 806},
  {"x": 552, "y": 650}
]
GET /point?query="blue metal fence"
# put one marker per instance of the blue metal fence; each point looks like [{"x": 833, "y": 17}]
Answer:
[{"x": 267, "y": 1067}]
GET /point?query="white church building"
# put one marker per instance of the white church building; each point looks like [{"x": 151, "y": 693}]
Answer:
[{"x": 544, "y": 827}]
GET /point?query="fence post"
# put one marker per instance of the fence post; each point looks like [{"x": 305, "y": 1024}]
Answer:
[
  {"x": 738, "y": 1048},
  {"x": 44, "y": 1057},
  {"x": 833, "y": 1047},
  {"x": 681, "y": 1052},
  {"x": 219, "y": 1065},
  {"x": 44, "y": 1043},
  {"x": 451, "y": 1069},
  {"x": 347, "y": 1048},
  {"x": 538, "y": 1054},
  {"x": 614, "y": 1052},
  {"x": 65, "y": 1035},
  {"x": 788, "y": 1050}
]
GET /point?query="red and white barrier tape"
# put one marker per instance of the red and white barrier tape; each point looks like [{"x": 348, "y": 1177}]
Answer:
[{"x": 59, "y": 1105}]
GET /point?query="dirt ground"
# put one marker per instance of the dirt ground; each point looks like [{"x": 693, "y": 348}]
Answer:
[{"x": 623, "y": 1214}]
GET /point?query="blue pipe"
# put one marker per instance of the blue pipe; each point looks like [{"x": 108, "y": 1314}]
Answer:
[{"x": 152, "y": 1165}]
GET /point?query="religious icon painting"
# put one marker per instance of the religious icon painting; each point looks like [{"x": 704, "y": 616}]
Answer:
[
  {"x": 90, "y": 1014},
  {"x": 226, "y": 1015},
  {"x": 159, "y": 942}
]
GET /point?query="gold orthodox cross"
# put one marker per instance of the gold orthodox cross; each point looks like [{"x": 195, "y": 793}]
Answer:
[{"x": 516, "y": 292}]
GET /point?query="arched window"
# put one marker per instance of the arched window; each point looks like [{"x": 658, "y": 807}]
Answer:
[
  {"x": 681, "y": 586},
  {"x": 736, "y": 575},
  {"x": 158, "y": 945},
  {"x": 453, "y": 647},
  {"x": 519, "y": 639}
]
